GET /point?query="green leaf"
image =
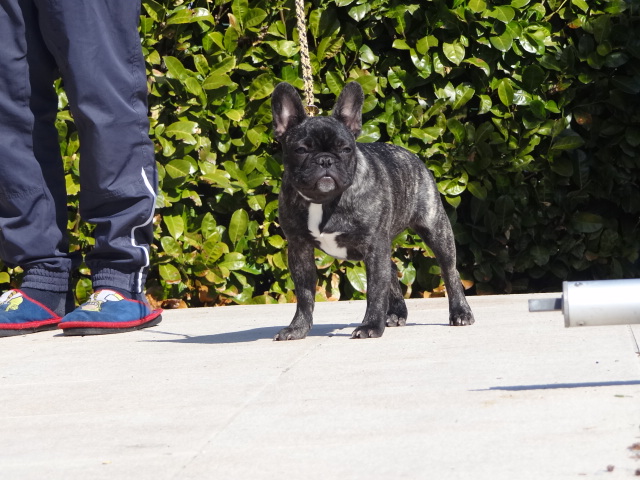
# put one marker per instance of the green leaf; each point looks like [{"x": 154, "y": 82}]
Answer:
[
  {"x": 567, "y": 140},
  {"x": 454, "y": 52},
  {"x": 285, "y": 48},
  {"x": 154, "y": 10},
  {"x": 401, "y": 44},
  {"x": 170, "y": 246},
  {"x": 217, "y": 80},
  {"x": 532, "y": 78},
  {"x": 562, "y": 166},
  {"x": 485, "y": 103},
  {"x": 212, "y": 250},
  {"x": 5, "y": 277},
  {"x": 540, "y": 255},
  {"x": 477, "y": 6},
  {"x": 208, "y": 225},
  {"x": 451, "y": 188},
  {"x": 224, "y": 66},
  {"x": 261, "y": 87},
  {"x": 168, "y": 148},
  {"x": 502, "y": 42},
  {"x": 503, "y": 13},
  {"x": 180, "y": 168},
  {"x": 367, "y": 82},
  {"x": 477, "y": 190},
  {"x": 538, "y": 109},
  {"x": 183, "y": 130},
  {"x": 370, "y": 133},
  {"x": 505, "y": 92},
  {"x": 367, "y": 56},
  {"x": 233, "y": 261},
  {"x": 424, "y": 43},
  {"x": 240, "y": 9},
  {"x": 360, "y": 11},
  {"x": 586, "y": 222},
  {"x": 616, "y": 59},
  {"x": 254, "y": 17},
  {"x": 458, "y": 130},
  {"x": 422, "y": 63},
  {"x": 276, "y": 241},
  {"x": 463, "y": 95},
  {"x": 480, "y": 63},
  {"x": 83, "y": 289},
  {"x": 428, "y": 134},
  {"x": 175, "y": 225},
  {"x": 238, "y": 225},
  {"x": 357, "y": 276},
  {"x": 170, "y": 274},
  {"x": 407, "y": 273},
  {"x": 176, "y": 69},
  {"x": 334, "y": 82},
  {"x": 188, "y": 15}
]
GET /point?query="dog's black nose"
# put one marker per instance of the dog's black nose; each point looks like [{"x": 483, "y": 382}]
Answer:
[{"x": 325, "y": 161}]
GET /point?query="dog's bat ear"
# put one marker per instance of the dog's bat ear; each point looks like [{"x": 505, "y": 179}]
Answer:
[
  {"x": 348, "y": 108},
  {"x": 286, "y": 108}
]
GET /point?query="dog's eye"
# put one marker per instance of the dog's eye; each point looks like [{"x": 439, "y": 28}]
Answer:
[
  {"x": 347, "y": 150},
  {"x": 301, "y": 150}
]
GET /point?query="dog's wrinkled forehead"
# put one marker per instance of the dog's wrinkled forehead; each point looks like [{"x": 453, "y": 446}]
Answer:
[{"x": 321, "y": 131}]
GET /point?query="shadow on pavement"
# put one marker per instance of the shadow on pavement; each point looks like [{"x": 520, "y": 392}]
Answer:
[
  {"x": 255, "y": 334},
  {"x": 552, "y": 386}
]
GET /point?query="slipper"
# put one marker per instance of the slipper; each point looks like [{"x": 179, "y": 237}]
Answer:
[
  {"x": 21, "y": 314},
  {"x": 106, "y": 311}
]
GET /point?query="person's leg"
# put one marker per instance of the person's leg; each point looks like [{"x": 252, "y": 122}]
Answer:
[
  {"x": 33, "y": 208},
  {"x": 97, "y": 48}
]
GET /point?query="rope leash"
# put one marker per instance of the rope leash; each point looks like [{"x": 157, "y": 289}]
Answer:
[{"x": 307, "y": 74}]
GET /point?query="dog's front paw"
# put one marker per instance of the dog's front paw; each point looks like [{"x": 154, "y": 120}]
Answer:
[
  {"x": 291, "y": 333},
  {"x": 394, "y": 320},
  {"x": 461, "y": 317},
  {"x": 367, "y": 331}
]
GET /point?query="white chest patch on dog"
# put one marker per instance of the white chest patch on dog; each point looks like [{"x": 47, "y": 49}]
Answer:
[{"x": 327, "y": 241}]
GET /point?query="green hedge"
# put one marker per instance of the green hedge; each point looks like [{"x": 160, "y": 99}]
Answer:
[{"x": 527, "y": 112}]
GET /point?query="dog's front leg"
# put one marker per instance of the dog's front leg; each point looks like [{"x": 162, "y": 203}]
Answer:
[
  {"x": 303, "y": 271},
  {"x": 378, "y": 265}
]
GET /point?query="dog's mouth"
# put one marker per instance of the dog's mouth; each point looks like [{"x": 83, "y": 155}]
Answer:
[{"x": 326, "y": 184}]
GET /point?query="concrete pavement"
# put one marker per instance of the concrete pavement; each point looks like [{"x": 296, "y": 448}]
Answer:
[{"x": 208, "y": 395}]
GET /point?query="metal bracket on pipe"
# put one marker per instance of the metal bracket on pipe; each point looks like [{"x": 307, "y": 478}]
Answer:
[
  {"x": 601, "y": 302},
  {"x": 545, "y": 304}
]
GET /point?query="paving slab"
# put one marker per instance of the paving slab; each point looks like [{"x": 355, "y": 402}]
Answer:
[{"x": 208, "y": 394}]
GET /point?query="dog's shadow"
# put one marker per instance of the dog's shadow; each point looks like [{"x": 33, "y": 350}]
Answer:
[
  {"x": 255, "y": 334},
  {"x": 267, "y": 333}
]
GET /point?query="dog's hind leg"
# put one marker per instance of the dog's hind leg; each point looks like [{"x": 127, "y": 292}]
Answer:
[
  {"x": 397, "y": 312},
  {"x": 438, "y": 235}
]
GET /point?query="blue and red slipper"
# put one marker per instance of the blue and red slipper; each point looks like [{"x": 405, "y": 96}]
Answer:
[
  {"x": 21, "y": 314},
  {"x": 106, "y": 311}
]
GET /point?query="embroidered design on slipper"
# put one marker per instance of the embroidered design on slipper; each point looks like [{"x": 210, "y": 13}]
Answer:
[
  {"x": 107, "y": 311},
  {"x": 98, "y": 299},
  {"x": 11, "y": 300}
]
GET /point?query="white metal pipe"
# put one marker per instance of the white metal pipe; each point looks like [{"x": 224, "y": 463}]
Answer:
[
  {"x": 601, "y": 302},
  {"x": 595, "y": 303}
]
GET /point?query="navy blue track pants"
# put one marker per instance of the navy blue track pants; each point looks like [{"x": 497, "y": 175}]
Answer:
[{"x": 95, "y": 46}]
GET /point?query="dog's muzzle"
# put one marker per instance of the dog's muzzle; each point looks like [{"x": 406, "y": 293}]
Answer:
[{"x": 326, "y": 184}]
